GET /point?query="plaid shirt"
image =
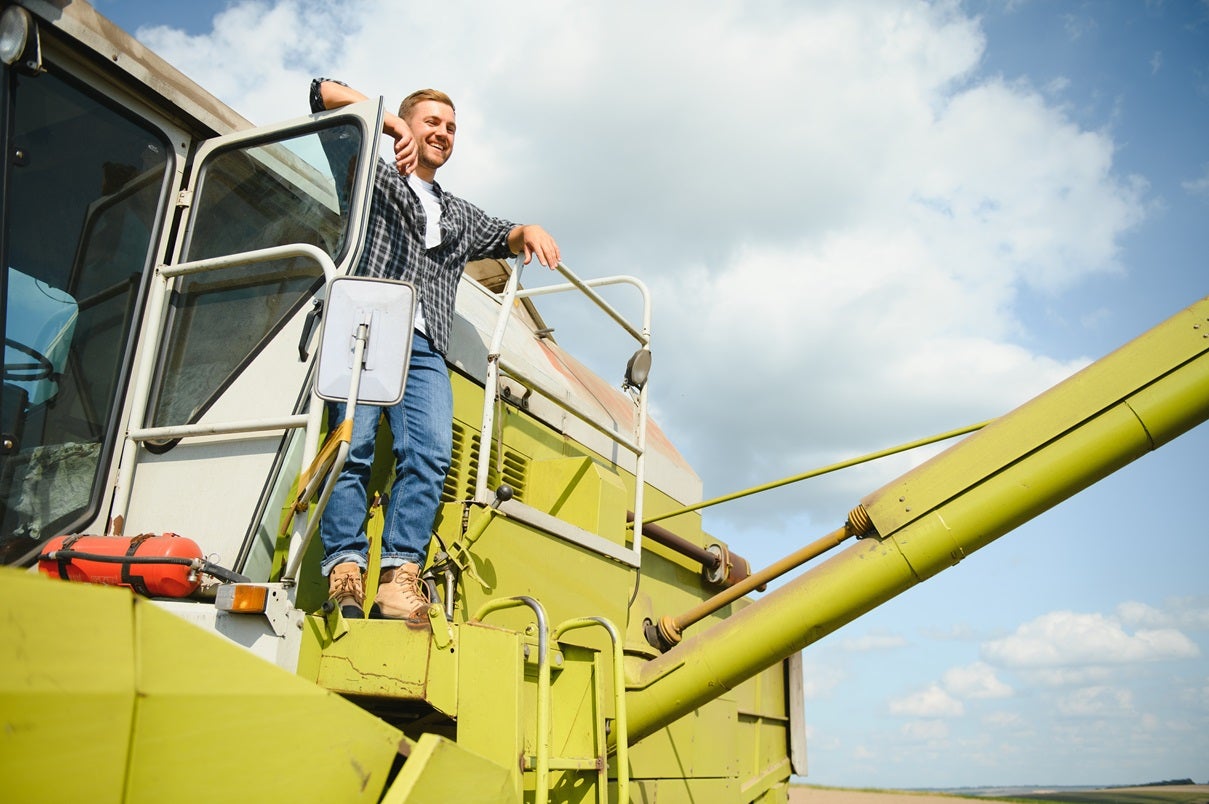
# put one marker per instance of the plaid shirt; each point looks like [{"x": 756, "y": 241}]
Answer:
[{"x": 394, "y": 245}]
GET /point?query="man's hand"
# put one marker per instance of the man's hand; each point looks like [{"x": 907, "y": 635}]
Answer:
[
  {"x": 406, "y": 153},
  {"x": 533, "y": 240},
  {"x": 336, "y": 96}
]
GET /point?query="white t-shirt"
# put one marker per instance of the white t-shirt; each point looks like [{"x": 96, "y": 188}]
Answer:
[{"x": 432, "y": 232}]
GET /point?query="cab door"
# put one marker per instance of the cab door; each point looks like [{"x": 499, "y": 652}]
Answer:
[
  {"x": 221, "y": 398},
  {"x": 85, "y": 172}
]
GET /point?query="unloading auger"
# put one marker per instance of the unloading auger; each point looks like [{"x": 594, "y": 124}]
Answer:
[{"x": 1114, "y": 411}]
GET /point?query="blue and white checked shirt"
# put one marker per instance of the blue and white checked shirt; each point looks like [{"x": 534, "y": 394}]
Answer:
[{"x": 395, "y": 241}]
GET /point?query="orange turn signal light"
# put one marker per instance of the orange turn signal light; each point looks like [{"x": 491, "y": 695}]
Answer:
[{"x": 242, "y": 598}]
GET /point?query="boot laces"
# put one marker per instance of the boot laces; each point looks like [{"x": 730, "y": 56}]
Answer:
[{"x": 414, "y": 591}]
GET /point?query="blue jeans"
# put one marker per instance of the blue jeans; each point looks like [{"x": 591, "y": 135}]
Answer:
[{"x": 421, "y": 427}]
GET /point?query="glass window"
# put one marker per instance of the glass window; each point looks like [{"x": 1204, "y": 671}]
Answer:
[
  {"x": 85, "y": 189},
  {"x": 249, "y": 198}
]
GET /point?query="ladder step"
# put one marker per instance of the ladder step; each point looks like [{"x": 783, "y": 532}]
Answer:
[{"x": 568, "y": 763}]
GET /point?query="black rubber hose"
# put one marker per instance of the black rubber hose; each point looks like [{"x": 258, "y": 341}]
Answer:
[{"x": 199, "y": 564}]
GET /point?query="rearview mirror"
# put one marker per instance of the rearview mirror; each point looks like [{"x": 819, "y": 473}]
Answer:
[{"x": 382, "y": 312}]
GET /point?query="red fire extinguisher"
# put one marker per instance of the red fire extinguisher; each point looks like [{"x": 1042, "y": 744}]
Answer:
[{"x": 156, "y": 566}]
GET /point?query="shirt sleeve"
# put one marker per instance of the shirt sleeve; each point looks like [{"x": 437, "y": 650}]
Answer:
[
  {"x": 487, "y": 236},
  {"x": 339, "y": 147},
  {"x": 317, "y": 95}
]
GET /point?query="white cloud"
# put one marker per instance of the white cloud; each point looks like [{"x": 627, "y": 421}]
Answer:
[
  {"x": 1004, "y": 720},
  {"x": 835, "y": 214},
  {"x": 931, "y": 702},
  {"x": 1198, "y": 185},
  {"x": 1186, "y": 613},
  {"x": 975, "y": 681},
  {"x": 1065, "y": 638},
  {"x": 1141, "y": 615},
  {"x": 928, "y": 731},
  {"x": 1066, "y": 676},
  {"x": 819, "y": 680},
  {"x": 1097, "y": 702}
]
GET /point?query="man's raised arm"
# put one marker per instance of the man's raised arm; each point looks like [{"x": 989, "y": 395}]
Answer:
[{"x": 335, "y": 95}]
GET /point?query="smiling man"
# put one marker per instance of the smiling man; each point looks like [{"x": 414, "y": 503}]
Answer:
[{"x": 419, "y": 233}]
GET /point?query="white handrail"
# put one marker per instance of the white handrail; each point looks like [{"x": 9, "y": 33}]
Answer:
[
  {"x": 510, "y": 294},
  {"x": 155, "y": 318}
]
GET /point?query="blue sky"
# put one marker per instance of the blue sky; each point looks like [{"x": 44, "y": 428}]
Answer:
[{"x": 864, "y": 223}]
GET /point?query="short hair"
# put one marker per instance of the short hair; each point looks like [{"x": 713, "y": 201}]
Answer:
[{"x": 421, "y": 95}]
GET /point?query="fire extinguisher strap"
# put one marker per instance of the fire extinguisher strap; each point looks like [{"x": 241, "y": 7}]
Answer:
[
  {"x": 135, "y": 582},
  {"x": 68, "y": 541}
]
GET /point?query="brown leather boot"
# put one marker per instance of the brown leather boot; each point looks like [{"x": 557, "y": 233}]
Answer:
[
  {"x": 401, "y": 595},
  {"x": 346, "y": 588}
]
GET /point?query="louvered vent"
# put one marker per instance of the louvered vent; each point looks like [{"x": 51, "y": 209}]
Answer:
[
  {"x": 459, "y": 483},
  {"x": 458, "y": 476}
]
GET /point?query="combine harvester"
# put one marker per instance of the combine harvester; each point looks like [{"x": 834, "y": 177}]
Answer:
[{"x": 175, "y": 307}]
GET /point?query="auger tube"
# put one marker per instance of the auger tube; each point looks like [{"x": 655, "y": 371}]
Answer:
[{"x": 1133, "y": 401}]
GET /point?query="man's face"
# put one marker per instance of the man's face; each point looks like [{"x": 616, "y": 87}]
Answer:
[{"x": 433, "y": 125}]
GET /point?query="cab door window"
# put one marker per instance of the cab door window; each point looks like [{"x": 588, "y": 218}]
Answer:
[
  {"x": 250, "y": 197},
  {"x": 86, "y": 181}
]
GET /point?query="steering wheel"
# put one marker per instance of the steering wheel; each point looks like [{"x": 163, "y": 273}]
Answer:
[{"x": 40, "y": 369}]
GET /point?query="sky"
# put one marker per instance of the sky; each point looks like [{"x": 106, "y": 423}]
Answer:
[{"x": 862, "y": 223}]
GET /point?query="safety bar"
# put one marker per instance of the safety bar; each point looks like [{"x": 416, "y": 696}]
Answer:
[
  {"x": 295, "y": 554},
  {"x": 619, "y": 718},
  {"x": 496, "y": 366},
  {"x": 511, "y": 371},
  {"x": 149, "y": 355},
  {"x": 541, "y": 781}
]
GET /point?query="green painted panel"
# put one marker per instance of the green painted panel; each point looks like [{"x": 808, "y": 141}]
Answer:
[
  {"x": 66, "y": 689},
  {"x": 209, "y": 710},
  {"x": 494, "y": 719},
  {"x": 704, "y": 743},
  {"x": 438, "y": 771},
  {"x": 581, "y": 492}
]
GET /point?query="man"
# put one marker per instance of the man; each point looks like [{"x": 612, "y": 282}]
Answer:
[{"x": 419, "y": 233}]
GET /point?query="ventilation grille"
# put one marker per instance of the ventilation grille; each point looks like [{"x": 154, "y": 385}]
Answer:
[{"x": 513, "y": 469}]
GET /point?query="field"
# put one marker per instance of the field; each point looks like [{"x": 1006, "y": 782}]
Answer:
[{"x": 1167, "y": 794}]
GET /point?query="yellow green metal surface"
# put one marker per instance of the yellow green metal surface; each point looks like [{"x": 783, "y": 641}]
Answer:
[
  {"x": 478, "y": 685},
  {"x": 440, "y": 770},
  {"x": 67, "y": 689},
  {"x": 106, "y": 697}
]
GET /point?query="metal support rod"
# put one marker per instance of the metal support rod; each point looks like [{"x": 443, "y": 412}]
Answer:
[
  {"x": 312, "y": 523},
  {"x": 708, "y": 559},
  {"x": 492, "y": 381},
  {"x": 872, "y": 456},
  {"x": 586, "y": 285},
  {"x": 683, "y": 546},
  {"x": 671, "y": 628},
  {"x": 219, "y": 428}
]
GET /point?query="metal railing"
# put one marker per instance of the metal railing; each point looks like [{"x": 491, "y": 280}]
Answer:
[
  {"x": 138, "y": 431},
  {"x": 541, "y": 762},
  {"x": 497, "y": 366}
]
